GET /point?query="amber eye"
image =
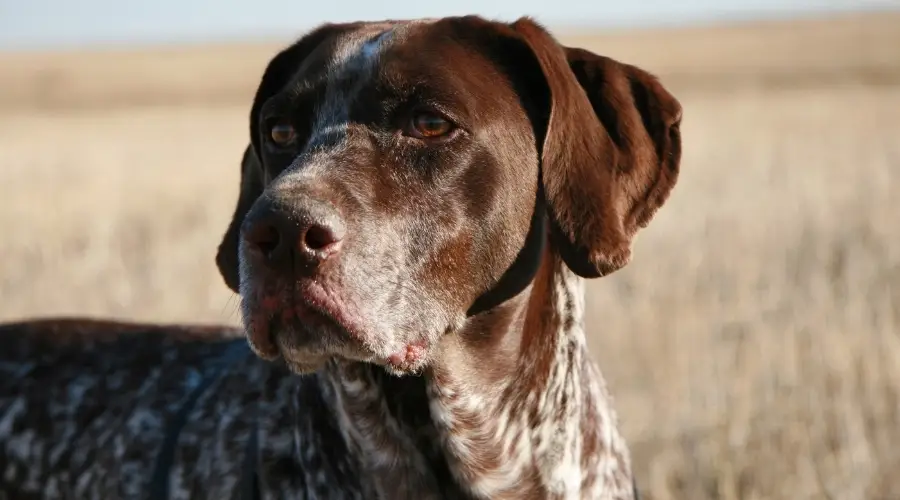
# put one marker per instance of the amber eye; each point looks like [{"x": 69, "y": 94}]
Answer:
[
  {"x": 430, "y": 125},
  {"x": 283, "y": 134}
]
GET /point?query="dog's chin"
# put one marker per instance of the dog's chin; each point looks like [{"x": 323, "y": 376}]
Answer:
[
  {"x": 307, "y": 334},
  {"x": 305, "y": 361},
  {"x": 403, "y": 371},
  {"x": 411, "y": 359},
  {"x": 310, "y": 350},
  {"x": 306, "y": 348}
]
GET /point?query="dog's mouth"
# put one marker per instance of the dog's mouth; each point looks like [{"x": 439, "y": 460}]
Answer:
[{"x": 307, "y": 325}]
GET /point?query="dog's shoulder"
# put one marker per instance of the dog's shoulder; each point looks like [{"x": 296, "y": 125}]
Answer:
[
  {"x": 59, "y": 369},
  {"x": 86, "y": 405},
  {"x": 101, "y": 409}
]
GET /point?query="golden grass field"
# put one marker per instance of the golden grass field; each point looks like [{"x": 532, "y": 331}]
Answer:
[{"x": 753, "y": 344}]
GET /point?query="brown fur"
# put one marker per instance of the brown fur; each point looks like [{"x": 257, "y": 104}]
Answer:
[{"x": 438, "y": 351}]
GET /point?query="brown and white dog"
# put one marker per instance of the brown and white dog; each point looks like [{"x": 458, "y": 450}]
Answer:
[{"x": 419, "y": 203}]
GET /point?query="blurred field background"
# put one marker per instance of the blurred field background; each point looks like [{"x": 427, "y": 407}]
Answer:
[{"x": 753, "y": 344}]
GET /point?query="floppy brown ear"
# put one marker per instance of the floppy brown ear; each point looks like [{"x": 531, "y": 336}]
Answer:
[
  {"x": 278, "y": 73},
  {"x": 251, "y": 189},
  {"x": 610, "y": 154}
]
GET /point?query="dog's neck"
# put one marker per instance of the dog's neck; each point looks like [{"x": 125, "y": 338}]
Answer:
[
  {"x": 512, "y": 407},
  {"x": 521, "y": 408},
  {"x": 386, "y": 423}
]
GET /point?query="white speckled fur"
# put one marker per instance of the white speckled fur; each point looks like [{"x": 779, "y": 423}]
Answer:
[
  {"x": 87, "y": 418},
  {"x": 529, "y": 440}
]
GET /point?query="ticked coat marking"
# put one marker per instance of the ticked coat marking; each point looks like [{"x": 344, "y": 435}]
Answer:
[{"x": 413, "y": 306}]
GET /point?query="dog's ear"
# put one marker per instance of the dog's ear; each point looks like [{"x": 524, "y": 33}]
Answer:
[
  {"x": 610, "y": 151},
  {"x": 278, "y": 73},
  {"x": 251, "y": 188}
]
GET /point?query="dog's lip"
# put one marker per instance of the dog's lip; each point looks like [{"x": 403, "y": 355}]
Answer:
[
  {"x": 312, "y": 297},
  {"x": 317, "y": 310},
  {"x": 310, "y": 306}
]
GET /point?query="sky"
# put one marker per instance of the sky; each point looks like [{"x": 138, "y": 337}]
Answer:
[{"x": 54, "y": 24}]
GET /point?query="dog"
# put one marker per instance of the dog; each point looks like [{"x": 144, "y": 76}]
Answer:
[{"x": 420, "y": 204}]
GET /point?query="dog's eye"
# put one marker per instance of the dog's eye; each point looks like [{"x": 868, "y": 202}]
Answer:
[
  {"x": 283, "y": 134},
  {"x": 430, "y": 125}
]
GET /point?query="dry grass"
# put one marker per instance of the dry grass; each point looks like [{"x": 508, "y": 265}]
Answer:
[{"x": 753, "y": 344}]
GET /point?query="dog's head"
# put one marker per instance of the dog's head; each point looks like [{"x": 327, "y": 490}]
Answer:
[{"x": 403, "y": 176}]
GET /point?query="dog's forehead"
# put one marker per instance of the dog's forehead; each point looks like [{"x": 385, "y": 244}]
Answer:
[
  {"x": 361, "y": 48},
  {"x": 349, "y": 62},
  {"x": 351, "y": 53},
  {"x": 385, "y": 61}
]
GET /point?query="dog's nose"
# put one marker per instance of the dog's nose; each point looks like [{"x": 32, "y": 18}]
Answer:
[{"x": 306, "y": 234}]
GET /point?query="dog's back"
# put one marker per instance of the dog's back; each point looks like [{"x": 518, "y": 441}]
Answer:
[{"x": 93, "y": 409}]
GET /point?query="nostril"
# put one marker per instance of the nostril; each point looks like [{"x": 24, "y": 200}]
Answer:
[
  {"x": 265, "y": 238},
  {"x": 319, "y": 238}
]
